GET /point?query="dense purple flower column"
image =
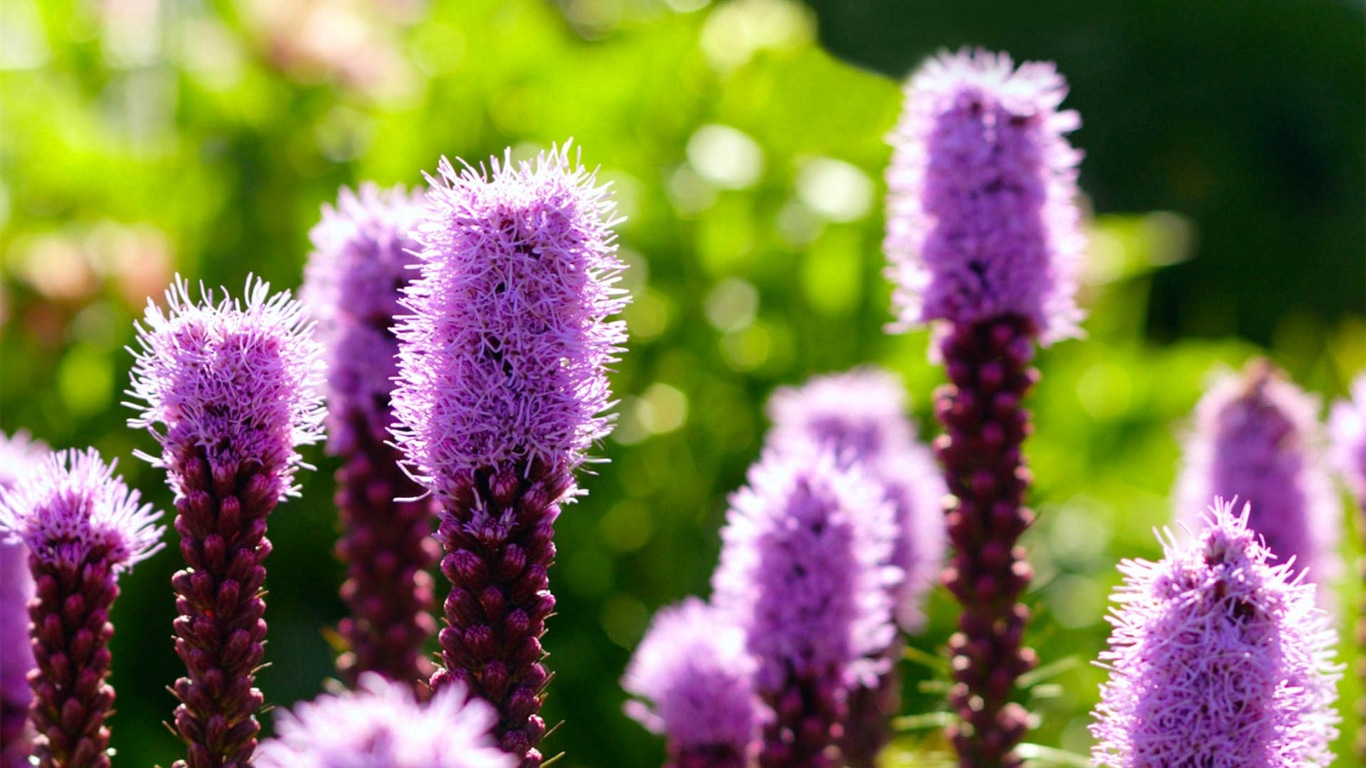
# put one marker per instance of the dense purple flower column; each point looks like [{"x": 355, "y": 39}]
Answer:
[
  {"x": 82, "y": 527},
  {"x": 382, "y": 725},
  {"x": 1348, "y": 427},
  {"x": 502, "y": 380},
  {"x": 861, "y": 415},
  {"x": 232, "y": 386},
  {"x": 362, "y": 251},
  {"x": 1217, "y": 659},
  {"x": 19, "y": 457},
  {"x": 804, "y": 572},
  {"x": 1257, "y": 439},
  {"x": 984, "y": 241},
  {"x": 694, "y": 667}
]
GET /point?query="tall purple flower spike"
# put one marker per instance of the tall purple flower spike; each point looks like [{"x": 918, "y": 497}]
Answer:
[
  {"x": 502, "y": 383},
  {"x": 694, "y": 668},
  {"x": 364, "y": 254},
  {"x": 382, "y": 725},
  {"x": 861, "y": 415},
  {"x": 82, "y": 527},
  {"x": 1348, "y": 428},
  {"x": 1217, "y": 659},
  {"x": 804, "y": 572},
  {"x": 19, "y": 457},
  {"x": 228, "y": 389},
  {"x": 984, "y": 241},
  {"x": 1257, "y": 438}
]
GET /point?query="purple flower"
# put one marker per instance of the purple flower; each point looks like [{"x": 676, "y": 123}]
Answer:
[
  {"x": 501, "y": 388},
  {"x": 981, "y": 213},
  {"x": 861, "y": 415},
  {"x": 1256, "y": 438},
  {"x": 82, "y": 527},
  {"x": 383, "y": 726},
  {"x": 234, "y": 381},
  {"x": 364, "y": 254},
  {"x": 1217, "y": 659},
  {"x": 504, "y": 357},
  {"x": 803, "y": 571},
  {"x": 693, "y": 666},
  {"x": 360, "y": 263},
  {"x": 1348, "y": 427},
  {"x": 19, "y": 457},
  {"x": 233, "y": 387}
]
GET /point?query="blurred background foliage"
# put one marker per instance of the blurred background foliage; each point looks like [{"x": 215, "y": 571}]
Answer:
[{"x": 1224, "y": 166}]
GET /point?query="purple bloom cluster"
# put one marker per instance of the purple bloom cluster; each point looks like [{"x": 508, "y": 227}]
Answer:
[
  {"x": 234, "y": 387},
  {"x": 504, "y": 356},
  {"x": 804, "y": 572},
  {"x": 1256, "y": 438},
  {"x": 981, "y": 214},
  {"x": 235, "y": 382},
  {"x": 502, "y": 384},
  {"x": 82, "y": 527},
  {"x": 693, "y": 665},
  {"x": 364, "y": 255},
  {"x": 1348, "y": 427},
  {"x": 1217, "y": 659},
  {"x": 383, "y": 726},
  {"x": 19, "y": 457}
]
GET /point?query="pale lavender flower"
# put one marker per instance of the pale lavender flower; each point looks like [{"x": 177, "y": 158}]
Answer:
[
  {"x": 382, "y": 725},
  {"x": 981, "y": 214},
  {"x": 82, "y": 527},
  {"x": 362, "y": 254},
  {"x": 19, "y": 457},
  {"x": 1348, "y": 427},
  {"x": 861, "y": 415},
  {"x": 1217, "y": 659},
  {"x": 803, "y": 571},
  {"x": 694, "y": 669},
  {"x": 501, "y": 391},
  {"x": 233, "y": 386},
  {"x": 1257, "y": 438}
]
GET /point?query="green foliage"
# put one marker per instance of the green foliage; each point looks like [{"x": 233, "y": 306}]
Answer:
[{"x": 203, "y": 137}]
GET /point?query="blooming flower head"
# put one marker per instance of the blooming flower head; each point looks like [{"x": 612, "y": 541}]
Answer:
[
  {"x": 362, "y": 253},
  {"x": 981, "y": 218},
  {"x": 803, "y": 567},
  {"x": 1217, "y": 659},
  {"x": 504, "y": 355},
  {"x": 20, "y": 457},
  {"x": 693, "y": 667},
  {"x": 1348, "y": 425},
  {"x": 236, "y": 380},
  {"x": 861, "y": 416},
  {"x": 381, "y": 725},
  {"x": 72, "y": 507},
  {"x": 1256, "y": 437}
]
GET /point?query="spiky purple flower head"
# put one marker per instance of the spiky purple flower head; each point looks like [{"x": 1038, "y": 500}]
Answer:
[
  {"x": 19, "y": 457},
  {"x": 1348, "y": 427},
  {"x": 1217, "y": 659},
  {"x": 982, "y": 220},
  {"x": 694, "y": 668},
  {"x": 804, "y": 571},
  {"x": 504, "y": 356},
  {"x": 382, "y": 725},
  {"x": 364, "y": 254},
  {"x": 82, "y": 527},
  {"x": 861, "y": 416},
  {"x": 1257, "y": 437},
  {"x": 236, "y": 380}
]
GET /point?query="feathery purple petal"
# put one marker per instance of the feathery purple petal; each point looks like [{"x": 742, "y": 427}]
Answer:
[
  {"x": 383, "y": 726},
  {"x": 1217, "y": 659},
  {"x": 504, "y": 355},
  {"x": 982, "y": 220}
]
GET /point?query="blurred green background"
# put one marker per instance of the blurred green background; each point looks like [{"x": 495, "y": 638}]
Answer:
[{"x": 1224, "y": 166}]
